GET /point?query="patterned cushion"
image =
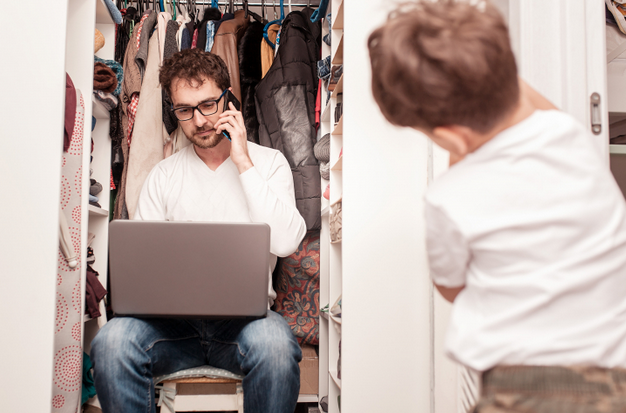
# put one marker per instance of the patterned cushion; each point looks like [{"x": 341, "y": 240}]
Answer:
[
  {"x": 297, "y": 288},
  {"x": 201, "y": 371}
]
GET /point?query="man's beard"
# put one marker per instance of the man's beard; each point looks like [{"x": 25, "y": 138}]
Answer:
[{"x": 207, "y": 142}]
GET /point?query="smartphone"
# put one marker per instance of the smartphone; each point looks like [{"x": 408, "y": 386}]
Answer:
[{"x": 229, "y": 97}]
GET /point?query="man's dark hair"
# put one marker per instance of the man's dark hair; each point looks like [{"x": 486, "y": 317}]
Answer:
[
  {"x": 194, "y": 66},
  {"x": 444, "y": 63}
]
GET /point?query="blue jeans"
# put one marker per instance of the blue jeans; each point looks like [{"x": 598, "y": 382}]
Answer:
[{"x": 128, "y": 352}]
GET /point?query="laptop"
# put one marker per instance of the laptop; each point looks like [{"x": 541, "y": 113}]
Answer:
[{"x": 189, "y": 269}]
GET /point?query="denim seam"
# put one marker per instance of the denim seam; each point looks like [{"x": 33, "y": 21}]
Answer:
[
  {"x": 150, "y": 386},
  {"x": 168, "y": 339},
  {"x": 235, "y": 344}
]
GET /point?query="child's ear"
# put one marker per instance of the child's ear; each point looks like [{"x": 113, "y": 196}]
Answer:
[{"x": 454, "y": 138}]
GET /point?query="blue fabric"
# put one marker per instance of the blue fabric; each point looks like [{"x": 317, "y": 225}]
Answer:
[
  {"x": 330, "y": 29},
  {"x": 114, "y": 11},
  {"x": 117, "y": 69},
  {"x": 185, "y": 42},
  {"x": 93, "y": 123},
  {"x": 93, "y": 198},
  {"x": 89, "y": 389},
  {"x": 128, "y": 352},
  {"x": 323, "y": 68},
  {"x": 320, "y": 12},
  {"x": 210, "y": 35}
]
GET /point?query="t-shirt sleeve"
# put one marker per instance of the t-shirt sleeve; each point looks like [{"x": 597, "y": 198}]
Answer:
[
  {"x": 448, "y": 251},
  {"x": 150, "y": 206}
]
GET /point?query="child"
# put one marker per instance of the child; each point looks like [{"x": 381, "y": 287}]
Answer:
[{"x": 527, "y": 232}]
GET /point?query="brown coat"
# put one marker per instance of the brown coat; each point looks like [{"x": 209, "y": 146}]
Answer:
[{"x": 225, "y": 43}]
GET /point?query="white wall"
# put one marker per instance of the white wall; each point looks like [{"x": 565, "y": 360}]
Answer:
[
  {"x": 31, "y": 114},
  {"x": 386, "y": 338}
]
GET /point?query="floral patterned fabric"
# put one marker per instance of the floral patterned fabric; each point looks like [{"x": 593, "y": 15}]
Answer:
[{"x": 297, "y": 288}]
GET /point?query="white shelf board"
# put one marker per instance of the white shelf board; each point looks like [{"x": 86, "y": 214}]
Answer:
[
  {"x": 324, "y": 315},
  {"x": 337, "y": 58},
  {"x": 307, "y": 398},
  {"x": 93, "y": 210},
  {"x": 338, "y": 130},
  {"x": 333, "y": 376},
  {"x": 338, "y": 165},
  {"x": 338, "y": 19},
  {"x": 617, "y": 149},
  {"x": 325, "y": 211},
  {"x": 338, "y": 87},
  {"x": 335, "y": 319}
]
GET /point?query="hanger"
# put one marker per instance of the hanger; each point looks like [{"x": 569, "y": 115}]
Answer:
[
  {"x": 277, "y": 21},
  {"x": 289, "y": 6},
  {"x": 231, "y": 6}
]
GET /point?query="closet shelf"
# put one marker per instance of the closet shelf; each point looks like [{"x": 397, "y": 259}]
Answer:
[
  {"x": 103, "y": 16},
  {"x": 338, "y": 127},
  {"x": 338, "y": 19},
  {"x": 337, "y": 58},
  {"x": 337, "y": 166},
  {"x": 338, "y": 88},
  {"x": 617, "y": 149},
  {"x": 324, "y": 315},
  {"x": 333, "y": 375},
  {"x": 307, "y": 398},
  {"x": 99, "y": 111},
  {"x": 326, "y": 211},
  {"x": 335, "y": 319},
  {"x": 98, "y": 211}
]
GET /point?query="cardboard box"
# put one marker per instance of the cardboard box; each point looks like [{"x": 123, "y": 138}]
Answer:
[{"x": 309, "y": 370}]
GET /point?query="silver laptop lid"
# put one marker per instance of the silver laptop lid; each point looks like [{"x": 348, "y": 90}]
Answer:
[{"x": 189, "y": 269}]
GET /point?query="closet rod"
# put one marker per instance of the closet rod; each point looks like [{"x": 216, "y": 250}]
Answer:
[{"x": 267, "y": 4}]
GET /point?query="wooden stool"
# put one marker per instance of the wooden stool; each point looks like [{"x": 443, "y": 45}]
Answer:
[{"x": 171, "y": 400}]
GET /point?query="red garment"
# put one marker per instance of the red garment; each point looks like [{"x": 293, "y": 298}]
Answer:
[
  {"x": 70, "y": 112},
  {"x": 194, "y": 42},
  {"x": 318, "y": 105},
  {"x": 134, "y": 100}
]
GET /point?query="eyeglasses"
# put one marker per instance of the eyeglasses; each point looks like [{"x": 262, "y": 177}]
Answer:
[{"x": 206, "y": 108}]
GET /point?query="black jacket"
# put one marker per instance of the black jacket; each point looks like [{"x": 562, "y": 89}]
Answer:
[{"x": 285, "y": 106}]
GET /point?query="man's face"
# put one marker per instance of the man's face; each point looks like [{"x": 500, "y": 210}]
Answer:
[{"x": 199, "y": 129}]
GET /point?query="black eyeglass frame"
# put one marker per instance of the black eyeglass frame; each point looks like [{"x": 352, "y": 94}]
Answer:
[{"x": 197, "y": 107}]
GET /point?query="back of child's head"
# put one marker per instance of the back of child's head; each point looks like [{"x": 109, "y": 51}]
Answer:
[{"x": 441, "y": 63}]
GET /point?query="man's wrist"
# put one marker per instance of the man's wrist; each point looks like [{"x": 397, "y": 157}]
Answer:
[{"x": 244, "y": 165}]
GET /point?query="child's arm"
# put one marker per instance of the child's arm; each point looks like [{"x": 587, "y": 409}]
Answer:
[{"x": 449, "y": 293}]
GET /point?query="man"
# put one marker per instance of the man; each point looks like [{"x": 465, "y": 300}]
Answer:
[
  {"x": 526, "y": 233},
  {"x": 214, "y": 179}
]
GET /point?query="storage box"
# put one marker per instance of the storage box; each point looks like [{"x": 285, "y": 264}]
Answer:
[{"x": 309, "y": 370}]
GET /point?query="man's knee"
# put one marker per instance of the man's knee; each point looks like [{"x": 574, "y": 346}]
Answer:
[{"x": 276, "y": 344}]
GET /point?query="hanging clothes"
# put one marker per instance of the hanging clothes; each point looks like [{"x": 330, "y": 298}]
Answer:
[
  {"x": 285, "y": 103},
  {"x": 249, "y": 51},
  {"x": 267, "y": 51},
  {"x": 70, "y": 111},
  {"x": 149, "y": 134},
  {"x": 171, "y": 47},
  {"x": 129, "y": 100},
  {"x": 225, "y": 44},
  {"x": 210, "y": 14},
  {"x": 142, "y": 52}
]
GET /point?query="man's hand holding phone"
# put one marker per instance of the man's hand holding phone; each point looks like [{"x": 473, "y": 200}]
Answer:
[{"x": 231, "y": 125}]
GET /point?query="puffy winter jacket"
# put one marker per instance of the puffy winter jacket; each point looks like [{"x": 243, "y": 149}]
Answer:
[{"x": 285, "y": 105}]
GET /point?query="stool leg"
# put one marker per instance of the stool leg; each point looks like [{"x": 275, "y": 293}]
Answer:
[
  {"x": 165, "y": 408},
  {"x": 240, "y": 398}
]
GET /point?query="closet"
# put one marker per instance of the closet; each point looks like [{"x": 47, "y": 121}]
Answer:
[{"x": 392, "y": 324}]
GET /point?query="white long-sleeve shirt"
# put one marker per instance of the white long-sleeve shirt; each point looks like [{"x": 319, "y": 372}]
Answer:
[{"x": 183, "y": 188}]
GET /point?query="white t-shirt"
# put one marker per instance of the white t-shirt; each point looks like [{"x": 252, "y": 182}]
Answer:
[
  {"x": 534, "y": 225},
  {"x": 183, "y": 188}
]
